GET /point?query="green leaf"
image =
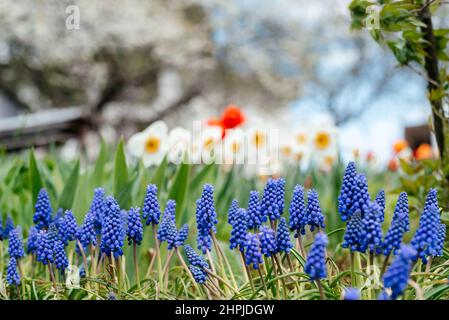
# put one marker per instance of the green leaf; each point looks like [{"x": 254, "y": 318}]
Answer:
[
  {"x": 35, "y": 179},
  {"x": 96, "y": 179},
  {"x": 120, "y": 170},
  {"x": 179, "y": 188},
  {"x": 159, "y": 175},
  {"x": 68, "y": 194}
]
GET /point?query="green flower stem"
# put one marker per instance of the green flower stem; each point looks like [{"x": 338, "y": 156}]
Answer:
[
  {"x": 216, "y": 276},
  {"x": 273, "y": 263},
  {"x": 53, "y": 279},
  {"x": 83, "y": 254},
  {"x": 158, "y": 253},
  {"x": 221, "y": 258},
  {"x": 320, "y": 289},
  {"x": 187, "y": 269},
  {"x": 166, "y": 267},
  {"x": 292, "y": 270},
  {"x": 279, "y": 268},
  {"x": 385, "y": 264},
  {"x": 263, "y": 283},
  {"x": 136, "y": 265}
]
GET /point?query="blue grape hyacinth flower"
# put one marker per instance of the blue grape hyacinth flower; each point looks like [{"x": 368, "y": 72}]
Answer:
[
  {"x": 280, "y": 194},
  {"x": 12, "y": 275},
  {"x": 425, "y": 239},
  {"x": 402, "y": 210},
  {"x": 68, "y": 228},
  {"x": 113, "y": 231},
  {"x": 86, "y": 234},
  {"x": 43, "y": 211},
  {"x": 9, "y": 225},
  {"x": 253, "y": 256},
  {"x": 151, "y": 212},
  {"x": 60, "y": 257},
  {"x": 347, "y": 191},
  {"x": 46, "y": 242},
  {"x": 15, "y": 248},
  {"x": 352, "y": 238},
  {"x": 206, "y": 218},
  {"x": 360, "y": 197},
  {"x": 97, "y": 208},
  {"x": 232, "y": 211},
  {"x": 283, "y": 241},
  {"x": 298, "y": 213},
  {"x": 371, "y": 236},
  {"x": 269, "y": 206},
  {"x": 32, "y": 241},
  {"x": 397, "y": 275},
  {"x": 198, "y": 274},
  {"x": 316, "y": 260},
  {"x": 395, "y": 233},
  {"x": 431, "y": 199},
  {"x": 167, "y": 228},
  {"x": 441, "y": 238},
  {"x": 380, "y": 200},
  {"x": 254, "y": 218},
  {"x": 57, "y": 218},
  {"x": 315, "y": 217},
  {"x": 267, "y": 240},
  {"x": 352, "y": 294},
  {"x": 182, "y": 236},
  {"x": 238, "y": 232},
  {"x": 194, "y": 258},
  {"x": 134, "y": 230}
]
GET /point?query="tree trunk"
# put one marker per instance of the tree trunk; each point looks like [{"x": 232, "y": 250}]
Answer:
[{"x": 433, "y": 82}]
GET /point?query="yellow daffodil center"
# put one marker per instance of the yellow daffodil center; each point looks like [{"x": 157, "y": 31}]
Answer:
[
  {"x": 208, "y": 143},
  {"x": 286, "y": 150},
  {"x": 152, "y": 144},
  {"x": 235, "y": 147},
  {"x": 329, "y": 160},
  {"x": 322, "y": 140},
  {"x": 301, "y": 138},
  {"x": 259, "y": 139}
]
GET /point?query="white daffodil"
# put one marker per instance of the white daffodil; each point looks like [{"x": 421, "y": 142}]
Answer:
[
  {"x": 233, "y": 147},
  {"x": 325, "y": 140},
  {"x": 151, "y": 144},
  {"x": 204, "y": 145},
  {"x": 179, "y": 143}
]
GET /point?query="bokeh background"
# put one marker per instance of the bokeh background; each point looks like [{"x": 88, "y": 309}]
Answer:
[{"x": 129, "y": 64}]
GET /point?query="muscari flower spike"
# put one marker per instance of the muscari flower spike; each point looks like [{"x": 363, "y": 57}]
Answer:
[
  {"x": 380, "y": 200},
  {"x": 194, "y": 258},
  {"x": 269, "y": 206},
  {"x": 182, "y": 235},
  {"x": 238, "y": 232},
  {"x": 253, "y": 212},
  {"x": 316, "y": 260},
  {"x": 57, "y": 219},
  {"x": 232, "y": 211},
  {"x": 253, "y": 256},
  {"x": 167, "y": 229},
  {"x": 267, "y": 240},
  {"x": 60, "y": 257},
  {"x": 298, "y": 213},
  {"x": 431, "y": 199},
  {"x": 42, "y": 214},
  {"x": 86, "y": 233},
  {"x": 360, "y": 197},
  {"x": 280, "y": 194},
  {"x": 401, "y": 210},
  {"x": 283, "y": 241},
  {"x": 134, "y": 230},
  {"x": 425, "y": 240},
  {"x": 352, "y": 238},
  {"x": 441, "y": 237},
  {"x": 352, "y": 294},
  {"x": 371, "y": 236},
  {"x": 347, "y": 190},
  {"x": 12, "y": 276},
  {"x": 32, "y": 242},
  {"x": 112, "y": 232},
  {"x": 96, "y": 208},
  {"x": 9, "y": 225},
  {"x": 206, "y": 218},
  {"x": 315, "y": 217},
  {"x": 67, "y": 228},
  {"x": 150, "y": 211},
  {"x": 46, "y": 242},
  {"x": 199, "y": 274},
  {"x": 397, "y": 275},
  {"x": 15, "y": 248},
  {"x": 393, "y": 238}
]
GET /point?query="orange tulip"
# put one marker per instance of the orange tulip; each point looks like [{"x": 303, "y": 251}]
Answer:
[
  {"x": 393, "y": 165},
  {"x": 424, "y": 151},
  {"x": 400, "y": 146},
  {"x": 232, "y": 117}
]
